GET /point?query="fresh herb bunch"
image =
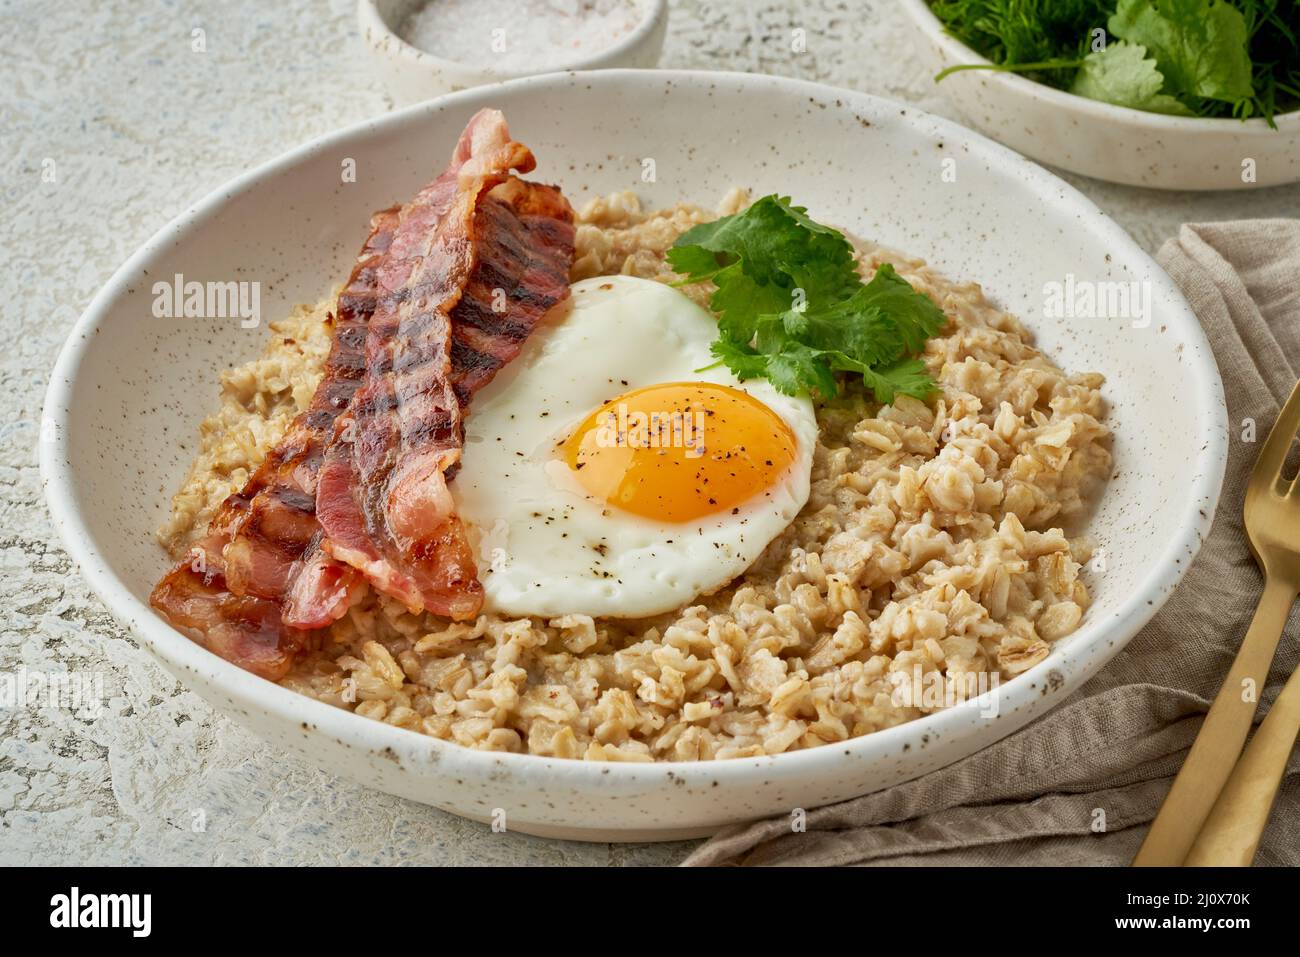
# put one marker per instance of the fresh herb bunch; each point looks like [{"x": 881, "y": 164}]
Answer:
[
  {"x": 792, "y": 308},
  {"x": 1183, "y": 57}
]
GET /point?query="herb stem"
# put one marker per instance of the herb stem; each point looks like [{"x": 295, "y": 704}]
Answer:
[{"x": 1010, "y": 67}]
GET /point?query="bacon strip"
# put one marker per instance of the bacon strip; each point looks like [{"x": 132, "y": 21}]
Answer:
[
  {"x": 383, "y": 498},
  {"x": 258, "y": 577},
  {"x": 271, "y": 527},
  {"x": 444, "y": 293},
  {"x": 243, "y": 629},
  {"x": 527, "y": 251}
]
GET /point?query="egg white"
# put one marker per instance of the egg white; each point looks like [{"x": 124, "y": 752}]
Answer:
[{"x": 544, "y": 545}]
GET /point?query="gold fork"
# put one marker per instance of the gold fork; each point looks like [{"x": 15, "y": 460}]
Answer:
[
  {"x": 1231, "y": 835},
  {"x": 1272, "y": 517}
]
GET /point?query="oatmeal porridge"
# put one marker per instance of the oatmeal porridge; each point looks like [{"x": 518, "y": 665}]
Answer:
[{"x": 932, "y": 543}]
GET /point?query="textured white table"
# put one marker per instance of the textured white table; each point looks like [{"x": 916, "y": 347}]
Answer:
[{"x": 134, "y": 126}]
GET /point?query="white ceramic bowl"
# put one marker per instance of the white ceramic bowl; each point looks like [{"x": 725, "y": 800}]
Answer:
[
  {"x": 411, "y": 74},
  {"x": 1108, "y": 142},
  {"x": 129, "y": 391}
]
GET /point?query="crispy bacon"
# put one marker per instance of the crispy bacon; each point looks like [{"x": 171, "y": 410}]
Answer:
[
  {"x": 243, "y": 629},
  {"x": 444, "y": 293},
  {"x": 383, "y": 498},
  {"x": 273, "y": 537},
  {"x": 259, "y": 576},
  {"x": 527, "y": 250}
]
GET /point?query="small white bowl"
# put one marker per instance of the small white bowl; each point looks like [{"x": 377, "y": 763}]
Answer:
[
  {"x": 411, "y": 74},
  {"x": 1108, "y": 142},
  {"x": 130, "y": 389}
]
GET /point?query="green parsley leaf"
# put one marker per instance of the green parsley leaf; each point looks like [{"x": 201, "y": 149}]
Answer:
[
  {"x": 1200, "y": 46},
  {"x": 759, "y": 257},
  {"x": 903, "y": 378},
  {"x": 792, "y": 308},
  {"x": 1123, "y": 74},
  {"x": 798, "y": 368},
  {"x": 915, "y": 316},
  {"x": 744, "y": 361}
]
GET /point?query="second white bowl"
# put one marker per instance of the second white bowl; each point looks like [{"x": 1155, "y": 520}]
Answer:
[
  {"x": 411, "y": 74},
  {"x": 1108, "y": 142}
]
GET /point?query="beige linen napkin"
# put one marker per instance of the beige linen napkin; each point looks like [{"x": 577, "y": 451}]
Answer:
[{"x": 1117, "y": 742}]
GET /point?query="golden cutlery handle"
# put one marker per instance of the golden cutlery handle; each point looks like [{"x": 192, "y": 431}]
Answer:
[
  {"x": 1231, "y": 834},
  {"x": 1215, "y": 751}
]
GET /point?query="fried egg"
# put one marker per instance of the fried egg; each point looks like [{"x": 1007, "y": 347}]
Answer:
[{"x": 605, "y": 474}]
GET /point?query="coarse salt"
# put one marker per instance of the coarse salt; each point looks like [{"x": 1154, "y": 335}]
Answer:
[{"x": 516, "y": 36}]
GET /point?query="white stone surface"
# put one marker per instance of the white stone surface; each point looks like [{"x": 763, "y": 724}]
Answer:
[{"x": 135, "y": 124}]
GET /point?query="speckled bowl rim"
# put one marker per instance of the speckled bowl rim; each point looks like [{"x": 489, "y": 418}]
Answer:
[
  {"x": 1083, "y": 654},
  {"x": 923, "y": 17},
  {"x": 374, "y": 25}
]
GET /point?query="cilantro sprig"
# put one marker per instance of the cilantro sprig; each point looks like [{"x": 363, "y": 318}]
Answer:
[
  {"x": 1182, "y": 57},
  {"x": 792, "y": 308}
]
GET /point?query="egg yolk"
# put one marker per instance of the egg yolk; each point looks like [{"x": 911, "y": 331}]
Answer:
[{"x": 680, "y": 451}]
